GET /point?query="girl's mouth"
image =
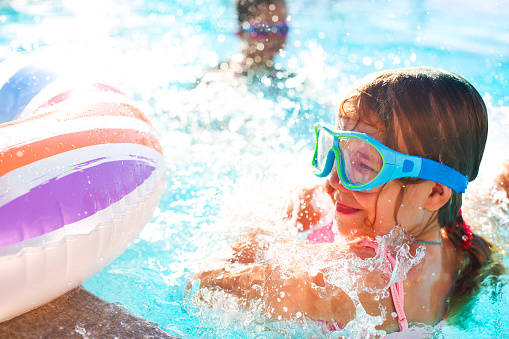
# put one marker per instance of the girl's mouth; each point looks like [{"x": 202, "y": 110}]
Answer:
[{"x": 343, "y": 209}]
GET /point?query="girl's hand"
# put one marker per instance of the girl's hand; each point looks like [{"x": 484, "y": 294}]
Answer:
[
  {"x": 249, "y": 248},
  {"x": 312, "y": 206},
  {"x": 244, "y": 281},
  {"x": 279, "y": 294},
  {"x": 502, "y": 180}
]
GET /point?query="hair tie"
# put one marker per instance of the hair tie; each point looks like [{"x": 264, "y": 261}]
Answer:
[{"x": 467, "y": 237}]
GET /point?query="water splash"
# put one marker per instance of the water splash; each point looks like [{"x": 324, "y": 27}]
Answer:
[{"x": 343, "y": 272}]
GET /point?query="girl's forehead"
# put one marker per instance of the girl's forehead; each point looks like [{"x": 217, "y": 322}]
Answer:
[
  {"x": 353, "y": 116},
  {"x": 347, "y": 123}
]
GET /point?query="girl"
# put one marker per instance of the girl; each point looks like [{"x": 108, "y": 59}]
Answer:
[{"x": 404, "y": 148}]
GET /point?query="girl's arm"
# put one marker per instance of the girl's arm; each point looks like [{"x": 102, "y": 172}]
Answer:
[
  {"x": 285, "y": 294},
  {"x": 502, "y": 180}
]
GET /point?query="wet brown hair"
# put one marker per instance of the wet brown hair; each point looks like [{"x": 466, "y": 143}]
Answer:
[
  {"x": 246, "y": 9},
  {"x": 444, "y": 119}
]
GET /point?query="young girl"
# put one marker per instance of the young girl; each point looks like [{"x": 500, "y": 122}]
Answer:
[{"x": 405, "y": 145}]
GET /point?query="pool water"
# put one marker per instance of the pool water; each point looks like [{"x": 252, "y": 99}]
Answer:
[{"x": 227, "y": 138}]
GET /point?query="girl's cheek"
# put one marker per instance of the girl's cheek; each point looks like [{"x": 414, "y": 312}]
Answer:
[{"x": 366, "y": 199}]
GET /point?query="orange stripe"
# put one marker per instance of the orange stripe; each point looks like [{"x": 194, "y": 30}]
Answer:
[{"x": 33, "y": 151}]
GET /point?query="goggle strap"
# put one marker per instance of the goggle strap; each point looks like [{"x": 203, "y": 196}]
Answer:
[{"x": 443, "y": 174}]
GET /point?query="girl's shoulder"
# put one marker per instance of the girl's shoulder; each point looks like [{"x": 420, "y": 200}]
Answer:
[{"x": 429, "y": 284}]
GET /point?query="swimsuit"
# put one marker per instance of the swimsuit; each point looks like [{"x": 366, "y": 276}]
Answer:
[{"x": 325, "y": 234}]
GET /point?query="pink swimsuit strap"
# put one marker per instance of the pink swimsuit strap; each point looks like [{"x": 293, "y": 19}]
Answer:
[
  {"x": 325, "y": 234},
  {"x": 397, "y": 293}
]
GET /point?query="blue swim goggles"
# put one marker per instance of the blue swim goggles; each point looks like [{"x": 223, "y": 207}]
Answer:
[
  {"x": 364, "y": 163},
  {"x": 262, "y": 29}
]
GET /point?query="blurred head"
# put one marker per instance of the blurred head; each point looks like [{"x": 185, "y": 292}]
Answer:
[
  {"x": 425, "y": 112},
  {"x": 263, "y": 28}
]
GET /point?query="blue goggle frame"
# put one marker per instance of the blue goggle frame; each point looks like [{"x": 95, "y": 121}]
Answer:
[
  {"x": 263, "y": 28},
  {"x": 395, "y": 164}
]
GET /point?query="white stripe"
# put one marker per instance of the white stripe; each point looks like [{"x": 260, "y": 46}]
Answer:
[
  {"x": 46, "y": 127},
  {"x": 21, "y": 180},
  {"x": 82, "y": 95}
]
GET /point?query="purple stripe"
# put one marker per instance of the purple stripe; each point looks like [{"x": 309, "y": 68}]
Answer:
[{"x": 65, "y": 200}]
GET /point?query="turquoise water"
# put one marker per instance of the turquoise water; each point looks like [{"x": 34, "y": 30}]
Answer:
[{"x": 225, "y": 138}]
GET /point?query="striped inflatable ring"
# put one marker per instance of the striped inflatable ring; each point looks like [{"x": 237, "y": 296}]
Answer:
[{"x": 81, "y": 173}]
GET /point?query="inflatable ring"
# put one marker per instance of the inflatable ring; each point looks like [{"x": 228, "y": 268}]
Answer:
[{"x": 81, "y": 173}]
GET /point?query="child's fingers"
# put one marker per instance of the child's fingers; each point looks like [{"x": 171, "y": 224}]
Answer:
[
  {"x": 244, "y": 281},
  {"x": 245, "y": 253},
  {"x": 208, "y": 278},
  {"x": 249, "y": 247}
]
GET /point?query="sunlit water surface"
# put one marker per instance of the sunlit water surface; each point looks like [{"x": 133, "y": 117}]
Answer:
[{"x": 255, "y": 138}]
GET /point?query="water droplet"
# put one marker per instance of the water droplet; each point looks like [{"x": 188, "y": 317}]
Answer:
[
  {"x": 394, "y": 314},
  {"x": 285, "y": 309}
]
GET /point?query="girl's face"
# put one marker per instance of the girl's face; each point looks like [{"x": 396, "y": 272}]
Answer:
[{"x": 372, "y": 213}]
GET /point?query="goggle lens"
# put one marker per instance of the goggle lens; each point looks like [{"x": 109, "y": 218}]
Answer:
[
  {"x": 360, "y": 162},
  {"x": 325, "y": 141}
]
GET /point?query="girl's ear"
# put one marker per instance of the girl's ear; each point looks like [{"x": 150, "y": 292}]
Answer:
[{"x": 438, "y": 196}]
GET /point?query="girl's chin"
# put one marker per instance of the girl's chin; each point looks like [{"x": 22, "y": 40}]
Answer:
[{"x": 351, "y": 230}]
